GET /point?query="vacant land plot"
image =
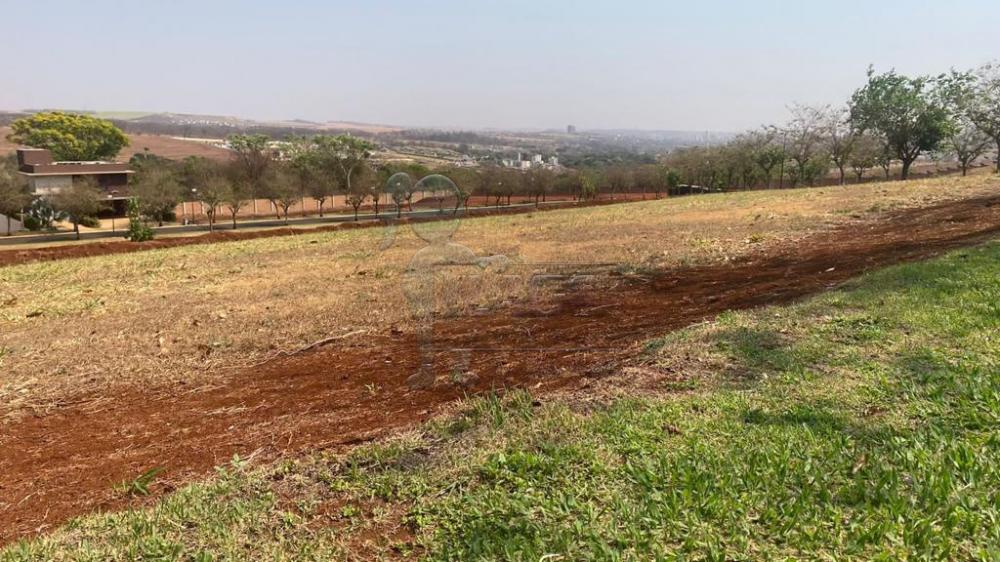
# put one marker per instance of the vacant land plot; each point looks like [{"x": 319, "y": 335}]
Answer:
[
  {"x": 73, "y": 327},
  {"x": 856, "y": 425},
  {"x": 121, "y": 363}
]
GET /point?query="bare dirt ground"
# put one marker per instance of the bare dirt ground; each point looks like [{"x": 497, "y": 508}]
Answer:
[
  {"x": 77, "y": 328},
  {"x": 66, "y": 461}
]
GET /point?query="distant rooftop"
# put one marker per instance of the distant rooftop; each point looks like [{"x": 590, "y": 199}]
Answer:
[{"x": 39, "y": 162}]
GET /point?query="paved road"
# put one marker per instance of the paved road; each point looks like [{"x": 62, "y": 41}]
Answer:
[{"x": 225, "y": 225}]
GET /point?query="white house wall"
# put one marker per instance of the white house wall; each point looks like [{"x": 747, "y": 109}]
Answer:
[
  {"x": 49, "y": 185},
  {"x": 15, "y": 225}
]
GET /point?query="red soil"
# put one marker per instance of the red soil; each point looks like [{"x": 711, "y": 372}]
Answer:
[{"x": 59, "y": 464}]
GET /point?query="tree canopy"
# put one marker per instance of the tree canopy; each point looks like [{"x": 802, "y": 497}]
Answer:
[
  {"x": 906, "y": 111},
  {"x": 70, "y": 136}
]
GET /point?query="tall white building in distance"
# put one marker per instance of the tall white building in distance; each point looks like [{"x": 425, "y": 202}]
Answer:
[{"x": 537, "y": 161}]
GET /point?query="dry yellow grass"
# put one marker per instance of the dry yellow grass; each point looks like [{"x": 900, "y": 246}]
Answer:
[{"x": 189, "y": 313}]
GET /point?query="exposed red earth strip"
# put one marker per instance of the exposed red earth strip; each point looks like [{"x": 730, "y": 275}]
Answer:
[{"x": 66, "y": 462}]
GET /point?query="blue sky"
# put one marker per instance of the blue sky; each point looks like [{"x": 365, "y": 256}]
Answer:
[{"x": 695, "y": 65}]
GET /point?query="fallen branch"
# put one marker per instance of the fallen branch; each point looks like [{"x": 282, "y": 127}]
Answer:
[{"x": 310, "y": 347}]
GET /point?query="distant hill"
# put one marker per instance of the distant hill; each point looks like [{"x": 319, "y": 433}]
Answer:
[{"x": 213, "y": 126}]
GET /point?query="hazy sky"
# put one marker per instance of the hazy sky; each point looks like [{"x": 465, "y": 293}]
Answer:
[{"x": 692, "y": 64}]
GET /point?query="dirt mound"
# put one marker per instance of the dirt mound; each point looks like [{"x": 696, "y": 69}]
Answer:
[{"x": 63, "y": 463}]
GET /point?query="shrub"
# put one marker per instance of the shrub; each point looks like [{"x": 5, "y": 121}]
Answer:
[
  {"x": 40, "y": 215},
  {"x": 90, "y": 222}
]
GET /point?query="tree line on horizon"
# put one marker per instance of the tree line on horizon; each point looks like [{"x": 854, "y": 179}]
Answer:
[{"x": 892, "y": 120}]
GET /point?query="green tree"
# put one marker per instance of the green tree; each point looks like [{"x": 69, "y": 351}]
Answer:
[
  {"x": 82, "y": 200},
  {"x": 138, "y": 230},
  {"x": 315, "y": 172},
  {"x": 491, "y": 183},
  {"x": 357, "y": 196},
  {"x": 840, "y": 139},
  {"x": 399, "y": 186},
  {"x": 235, "y": 197},
  {"x": 253, "y": 159},
  {"x": 965, "y": 142},
  {"x": 590, "y": 184},
  {"x": 618, "y": 180},
  {"x": 159, "y": 191},
  {"x": 906, "y": 111},
  {"x": 70, "y": 136},
  {"x": 14, "y": 191},
  {"x": 804, "y": 134},
  {"x": 768, "y": 156},
  {"x": 865, "y": 155},
  {"x": 351, "y": 156},
  {"x": 667, "y": 180},
  {"x": 282, "y": 188},
  {"x": 212, "y": 192},
  {"x": 980, "y": 104}
]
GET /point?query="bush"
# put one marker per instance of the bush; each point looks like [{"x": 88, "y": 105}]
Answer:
[
  {"x": 40, "y": 215},
  {"x": 90, "y": 222}
]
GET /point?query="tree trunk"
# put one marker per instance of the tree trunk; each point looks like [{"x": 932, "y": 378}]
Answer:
[
  {"x": 76, "y": 229},
  {"x": 321, "y": 208},
  {"x": 234, "y": 219},
  {"x": 843, "y": 176},
  {"x": 905, "y": 173}
]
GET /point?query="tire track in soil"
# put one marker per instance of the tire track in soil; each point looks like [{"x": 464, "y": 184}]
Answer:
[{"x": 66, "y": 462}]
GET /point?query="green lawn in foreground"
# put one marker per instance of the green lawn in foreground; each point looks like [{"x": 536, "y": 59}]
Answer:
[{"x": 861, "y": 424}]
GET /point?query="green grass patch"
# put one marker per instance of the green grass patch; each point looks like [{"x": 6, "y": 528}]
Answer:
[{"x": 861, "y": 424}]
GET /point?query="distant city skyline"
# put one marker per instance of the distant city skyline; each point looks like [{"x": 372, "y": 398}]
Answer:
[{"x": 710, "y": 66}]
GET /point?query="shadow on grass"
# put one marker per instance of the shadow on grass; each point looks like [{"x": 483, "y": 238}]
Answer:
[{"x": 756, "y": 351}]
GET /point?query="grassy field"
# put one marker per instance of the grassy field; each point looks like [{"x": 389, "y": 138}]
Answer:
[
  {"x": 87, "y": 326},
  {"x": 860, "y": 424}
]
